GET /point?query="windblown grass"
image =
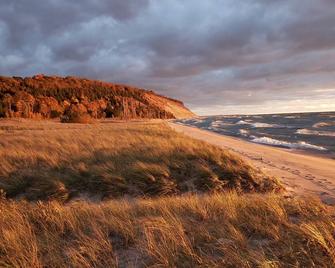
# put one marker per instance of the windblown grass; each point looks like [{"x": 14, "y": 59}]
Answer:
[
  {"x": 49, "y": 160},
  {"x": 218, "y": 230},
  {"x": 83, "y": 164}
]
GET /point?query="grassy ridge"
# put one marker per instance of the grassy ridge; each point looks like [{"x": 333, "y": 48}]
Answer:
[
  {"x": 48, "y": 160},
  {"x": 191, "y": 231}
]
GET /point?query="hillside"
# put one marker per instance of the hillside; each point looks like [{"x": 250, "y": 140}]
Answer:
[{"x": 47, "y": 97}]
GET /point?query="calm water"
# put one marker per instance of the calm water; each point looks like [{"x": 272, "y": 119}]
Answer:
[{"x": 303, "y": 131}]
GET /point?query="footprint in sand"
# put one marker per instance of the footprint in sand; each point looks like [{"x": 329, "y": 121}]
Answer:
[
  {"x": 329, "y": 185},
  {"x": 324, "y": 181},
  {"x": 310, "y": 177},
  {"x": 324, "y": 186},
  {"x": 285, "y": 168}
]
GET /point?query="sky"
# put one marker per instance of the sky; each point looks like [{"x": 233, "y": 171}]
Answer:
[{"x": 217, "y": 56}]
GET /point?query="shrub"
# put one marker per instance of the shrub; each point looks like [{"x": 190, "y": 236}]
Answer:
[
  {"x": 77, "y": 118},
  {"x": 76, "y": 113},
  {"x": 55, "y": 114}
]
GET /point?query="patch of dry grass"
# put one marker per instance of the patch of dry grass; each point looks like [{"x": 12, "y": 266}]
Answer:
[
  {"x": 48, "y": 160},
  {"x": 218, "y": 230}
]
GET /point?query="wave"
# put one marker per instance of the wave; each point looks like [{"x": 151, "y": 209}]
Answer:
[
  {"x": 216, "y": 124},
  {"x": 242, "y": 122},
  {"x": 194, "y": 121},
  {"x": 297, "y": 145},
  {"x": 323, "y": 124},
  {"x": 292, "y": 116},
  {"x": 211, "y": 128},
  {"x": 305, "y": 131},
  {"x": 259, "y": 125},
  {"x": 265, "y": 125},
  {"x": 243, "y": 132},
  {"x": 220, "y": 123}
]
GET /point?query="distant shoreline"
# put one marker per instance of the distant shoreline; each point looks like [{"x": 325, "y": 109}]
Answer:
[{"x": 281, "y": 113}]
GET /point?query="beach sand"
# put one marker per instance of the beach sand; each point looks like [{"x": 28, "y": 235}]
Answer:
[{"x": 301, "y": 174}]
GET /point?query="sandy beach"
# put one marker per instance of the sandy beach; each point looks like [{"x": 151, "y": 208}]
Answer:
[{"x": 302, "y": 174}]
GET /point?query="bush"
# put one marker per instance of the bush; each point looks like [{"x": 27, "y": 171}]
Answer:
[
  {"x": 55, "y": 114},
  {"x": 77, "y": 118},
  {"x": 76, "y": 113}
]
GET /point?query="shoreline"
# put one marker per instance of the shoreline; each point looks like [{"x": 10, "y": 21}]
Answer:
[
  {"x": 302, "y": 173},
  {"x": 326, "y": 155}
]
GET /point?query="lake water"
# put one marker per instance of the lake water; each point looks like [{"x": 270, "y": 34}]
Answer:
[{"x": 303, "y": 131}]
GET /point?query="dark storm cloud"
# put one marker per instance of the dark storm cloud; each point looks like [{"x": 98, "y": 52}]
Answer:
[{"x": 219, "y": 52}]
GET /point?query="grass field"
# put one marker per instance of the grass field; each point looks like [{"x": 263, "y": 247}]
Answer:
[
  {"x": 49, "y": 160},
  {"x": 218, "y": 230},
  {"x": 141, "y": 195}
]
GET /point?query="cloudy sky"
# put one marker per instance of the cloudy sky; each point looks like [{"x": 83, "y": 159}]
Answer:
[{"x": 218, "y": 56}]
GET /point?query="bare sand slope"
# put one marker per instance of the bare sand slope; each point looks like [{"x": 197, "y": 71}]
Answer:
[{"x": 302, "y": 174}]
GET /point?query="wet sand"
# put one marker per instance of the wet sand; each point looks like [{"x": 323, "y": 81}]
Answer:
[{"x": 302, "y": 174}]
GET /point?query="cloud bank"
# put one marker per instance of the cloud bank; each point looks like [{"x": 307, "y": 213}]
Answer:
[{"x": 219, "y": 56}]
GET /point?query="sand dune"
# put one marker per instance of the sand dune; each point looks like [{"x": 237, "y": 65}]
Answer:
[{"x": 302, "y": 174}]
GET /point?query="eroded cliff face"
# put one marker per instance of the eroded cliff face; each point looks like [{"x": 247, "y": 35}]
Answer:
[{"x": 56, "y": 97}]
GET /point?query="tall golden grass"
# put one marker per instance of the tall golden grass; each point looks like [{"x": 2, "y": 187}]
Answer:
[
  {"x": 217, "y": 230},
  {"x": 49, "y": 160},
  {"x": 202, "y": 206}
]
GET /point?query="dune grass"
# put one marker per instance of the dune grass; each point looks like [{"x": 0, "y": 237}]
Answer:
[
  {"x": 141, "y": 195},
  {"x": 216, "y": 230},
  {"x": 49, "y": 160}
]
